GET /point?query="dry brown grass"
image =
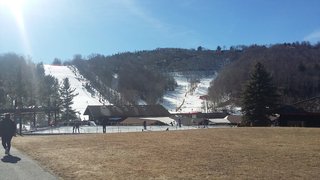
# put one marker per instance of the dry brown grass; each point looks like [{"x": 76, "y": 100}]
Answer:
[{"x": 234, "y": 153}]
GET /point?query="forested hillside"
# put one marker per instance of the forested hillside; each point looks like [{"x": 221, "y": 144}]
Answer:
[
  {"x": 127, "y": 78},
  {"x": 24, "y": 84},
  {"x": 145, "y": 74},
  {"x": 295, "y": 69}
]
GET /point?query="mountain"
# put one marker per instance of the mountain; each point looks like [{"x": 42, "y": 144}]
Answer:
[
  {"x": 147, "y": 75},
  {"x": 173, "y": 77},
  {"x": 184, "y": 99}
]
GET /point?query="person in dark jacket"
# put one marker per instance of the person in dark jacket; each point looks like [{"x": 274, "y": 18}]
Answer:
[
  {"x": 104, "y": 125},
  {"x": 144, "y": 125},
  {"x": 76, "y": 126},
  {"x": 7, "y": 131}
]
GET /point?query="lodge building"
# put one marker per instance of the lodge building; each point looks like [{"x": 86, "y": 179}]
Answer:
[
  {"x": 304, "y": 113},
  {"x": 133, "y": 114}
]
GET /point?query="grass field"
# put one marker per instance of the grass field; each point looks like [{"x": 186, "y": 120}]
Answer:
[{"x": 230, "y": 153}]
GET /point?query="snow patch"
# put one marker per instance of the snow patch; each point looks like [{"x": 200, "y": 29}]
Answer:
[{"x": 186, "y": 98}]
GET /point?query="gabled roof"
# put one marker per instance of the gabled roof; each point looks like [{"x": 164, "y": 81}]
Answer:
[
  {"x": 203, "y": 115},
  {"x": 288, "y": 109},
  {"x": 311, "y": 105},
  {"x": 234, "y": 119},
  {"x": 317, "y": 98},
  {"x": 127, "y": 111},
  {"x": 220, "y": 121},
  {"x": 139, "y": 121}
]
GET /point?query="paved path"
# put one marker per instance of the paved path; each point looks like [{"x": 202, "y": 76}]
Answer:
[{"x": 19, "y": 166}]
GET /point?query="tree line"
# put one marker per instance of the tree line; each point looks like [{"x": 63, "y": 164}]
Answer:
[
  {"x": 24, "y": 84},
  {"x": 294, "y": 67}
]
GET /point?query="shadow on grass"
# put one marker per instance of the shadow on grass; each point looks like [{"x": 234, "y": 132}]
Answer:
[{"x": 10, "y": 159}]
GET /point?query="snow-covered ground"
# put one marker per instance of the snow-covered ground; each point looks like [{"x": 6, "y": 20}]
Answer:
[
  {"x": 183, "y": 100},
  {"x": 77, "y": 82},
  {"x": 185, "y": 97}
]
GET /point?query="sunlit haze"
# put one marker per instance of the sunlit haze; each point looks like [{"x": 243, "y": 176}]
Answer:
[{"x": 45, "y": 29}]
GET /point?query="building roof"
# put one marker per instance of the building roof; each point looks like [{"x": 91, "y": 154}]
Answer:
[
  {"x": 289, "y": 109},
  {"x": 220, "y": 121},
  {"x": 127, "y": 111},
  {"x": 165, "y": 120},
  {"x": 203, "y": 115},
  {"x": 139, "y": 121},
  {"x": 311, "y": 105},
  {"x": 234, "y": 119}
]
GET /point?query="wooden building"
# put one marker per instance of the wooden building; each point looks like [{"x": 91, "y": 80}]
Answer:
[
  {"x": 116, "y": 114},
  {"x": 301, "y": 114},
  {"x": 197, "y": 118},
  {"x": 138, "y": 121},
  {"x": 310, "y": 105}
]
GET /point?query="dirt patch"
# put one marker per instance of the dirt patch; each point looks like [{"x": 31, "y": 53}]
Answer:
[{"x": 231, "y": 153}]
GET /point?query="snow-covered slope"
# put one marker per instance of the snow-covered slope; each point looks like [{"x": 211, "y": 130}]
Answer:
[
  {"x": 77, "y": 82},
  {"x": 186, "y": 99}
]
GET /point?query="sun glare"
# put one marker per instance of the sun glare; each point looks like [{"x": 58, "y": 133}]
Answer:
[{"x": 15, "y": 7}]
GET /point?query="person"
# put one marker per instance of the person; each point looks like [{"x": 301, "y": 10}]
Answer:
[
  {"x": 7, "y": 131},
  {"x": 104, "y": 125},
  {"x": 76, "y": 127},
  {"x": 144, "y": 125},
  {"x": 179, "y": 122},
  {"x": 205, "y": 123}
]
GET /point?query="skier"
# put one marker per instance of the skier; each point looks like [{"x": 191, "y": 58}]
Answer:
[{"x": 7, "y": 131}]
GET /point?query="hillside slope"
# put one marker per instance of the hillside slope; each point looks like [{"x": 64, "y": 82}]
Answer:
[
  {"x": 77, "y": 82},
  {"x": 186, "y": 97},
  {"x": 146, "y": 75}
]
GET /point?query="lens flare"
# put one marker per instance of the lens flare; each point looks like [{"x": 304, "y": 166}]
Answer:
[{"x": 16, "y": 9}]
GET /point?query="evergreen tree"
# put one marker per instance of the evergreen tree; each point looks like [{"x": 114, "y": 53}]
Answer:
[
  {"x": 51, "y": 97},
  {"x": 56, "y": 61},
  {"x": 260, "y": 98},
  {"x": 67, "y": 95}
]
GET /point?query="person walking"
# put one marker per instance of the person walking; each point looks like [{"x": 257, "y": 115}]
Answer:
[
  {"x": 205, "y": 123},
  {"x": 76, "y": 127},
  {"x": 7, "y": 131},
  {"x": 144, "y": 125},
  {"x": 179, "y": 122},
  {"x": 104, "y": 125}
]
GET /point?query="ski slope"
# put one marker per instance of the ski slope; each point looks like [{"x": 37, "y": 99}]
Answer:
[
  {"x": 186, "y": 99},
  {"x": 77, "y": 82},
  {"x": 183, "y": 100}
]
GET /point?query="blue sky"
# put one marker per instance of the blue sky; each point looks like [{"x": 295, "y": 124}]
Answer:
[{"x": 45, "y": 29}]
